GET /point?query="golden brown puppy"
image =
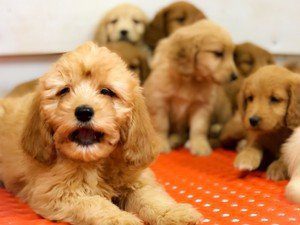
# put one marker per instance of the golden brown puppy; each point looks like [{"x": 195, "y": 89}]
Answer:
[
  {"x": 82, "y": 142},
  {"x": 181, "y": 89},
  {"x": 270, "y": 107},
  {"x": 169, "y": 19},
  {"x": 248, "y": 58},
  {"x": 125, "y": 22},
  {"x": 134, "y": 57}
]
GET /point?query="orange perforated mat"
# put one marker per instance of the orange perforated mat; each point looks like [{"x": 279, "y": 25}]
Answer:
[{"x": 209, "y": 183}]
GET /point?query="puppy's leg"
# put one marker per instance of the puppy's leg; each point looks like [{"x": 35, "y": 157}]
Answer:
[
  {"x": 249, "y": 158},
  {"x": 89, "y": 210},
  {"x": 154, "y": 206},
  {"x": 277, "y": 170},
  {"x": 161, "y": 124},
  {"x": 199, "y": 125}
]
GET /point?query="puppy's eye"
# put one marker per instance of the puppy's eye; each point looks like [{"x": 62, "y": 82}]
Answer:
[
  {"x": 136, "y": 21},
  {"x": 63, "y": 91},
  {"x": 218, "y": 54},
  {"x": 114, "y": 21},
  {"x": 132, "y": 67},
  {"x": 107, "y": 91},
  {"x": 180, "y": 19},
  {"x": 249, "y": 98},
  {"x": 273, "y": 99}
]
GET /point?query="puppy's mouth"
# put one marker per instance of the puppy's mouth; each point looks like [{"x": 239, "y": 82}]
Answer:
[{"x": 86, "y": 136}]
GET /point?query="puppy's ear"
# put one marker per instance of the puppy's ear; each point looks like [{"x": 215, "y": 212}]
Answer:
[
  {"x": 36, "y": 139},
  {"x": 157, "y": 29},
  {"x": 140, "y": 139},
  {"x": 144, "y": 69},
  {"x": 101, "y": 34},
  {"x": 292, "y": 118}
]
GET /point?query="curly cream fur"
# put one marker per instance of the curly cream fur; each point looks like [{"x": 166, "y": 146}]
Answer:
[{"x": 68, "y": 182}]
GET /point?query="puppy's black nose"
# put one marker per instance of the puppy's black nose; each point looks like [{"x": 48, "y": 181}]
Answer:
[
  {"x": 84, "y": 113},
  {"x": 233, "y": 76},
  {"x": 254, "y": 121},
  {"x": 124, "y": 33}
]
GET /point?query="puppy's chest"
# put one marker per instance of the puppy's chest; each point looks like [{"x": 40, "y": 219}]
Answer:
[
  {"x": 272, "y": 142},
  {"x": 183, "y": 102}
]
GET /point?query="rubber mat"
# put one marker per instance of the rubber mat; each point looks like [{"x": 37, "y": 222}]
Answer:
[{"x": 210, "y": 183}]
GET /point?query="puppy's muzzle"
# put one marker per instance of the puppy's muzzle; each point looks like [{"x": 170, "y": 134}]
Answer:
[
  {"x": 84, "y": 113},
  {"x": 254, "y": 121}
]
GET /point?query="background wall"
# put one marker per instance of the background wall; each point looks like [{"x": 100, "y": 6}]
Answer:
[{"x": 33, "y": 33}]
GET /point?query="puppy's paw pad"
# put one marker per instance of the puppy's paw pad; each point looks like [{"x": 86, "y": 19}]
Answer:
[
  {"x": 277, "y": 171},
  {"x": 247, "y": 162},
  {"x": 182, "y": 214},
  {"x": 201, "y": 147}
]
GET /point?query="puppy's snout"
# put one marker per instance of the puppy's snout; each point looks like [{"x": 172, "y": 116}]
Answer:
[
  {"x": 254, "y": 121},
  {"x": 233, "y": 76},
  {"x": 84, "y": 113},
  {"x": 124, "y": 33}
]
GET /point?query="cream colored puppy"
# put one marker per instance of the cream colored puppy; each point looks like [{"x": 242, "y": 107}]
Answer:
[
  {"x": 181, "y": 89},
  {"x": 77, "y": 148},
  {"x": 291, "y": 156},
  {"x": 125, "y": 22}
]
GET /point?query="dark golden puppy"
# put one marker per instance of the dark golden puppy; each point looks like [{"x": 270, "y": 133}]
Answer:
[
  {"x": 270, "y": 107},
  {"x": 169, "y": 19},
  {"x": 248, "y": 58},
  {"x": 134, "y": 57}
]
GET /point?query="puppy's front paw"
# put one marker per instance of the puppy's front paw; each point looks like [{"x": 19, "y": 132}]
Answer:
[
  {"x": 200, "y": 146},
  {"x": 277, "y": 171},
  {"x": 247, "y": 160},
  {"x": 181, "y": 214}
]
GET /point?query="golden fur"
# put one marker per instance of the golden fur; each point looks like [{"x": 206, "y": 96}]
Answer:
[
  {"x": 293, "y": 66},
  {"x": 169, "y": 19},
  {"x": 122, "y": 18},
  {"x": 134, "y": 57},
  {"x": 23, "y": 89},
  {"x": 248, "y": 58},
  {"x": 181, "y": 88},
  {"x": 43, "y": 160},
  {"x": 269, "y": 105}
]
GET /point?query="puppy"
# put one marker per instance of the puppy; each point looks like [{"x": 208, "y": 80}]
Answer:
[
  {"x": 269, "y": 105},
  {"x": 248, "y": 58},
  {"x": 135, "y": 59},
  {"x": 180, "y": 91},
  {"x": 78, "y": 148},
  {"x": 169, "y": 19},
  {"x": 291, "y": 158},
  {"x": 125, "y": 22}
]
